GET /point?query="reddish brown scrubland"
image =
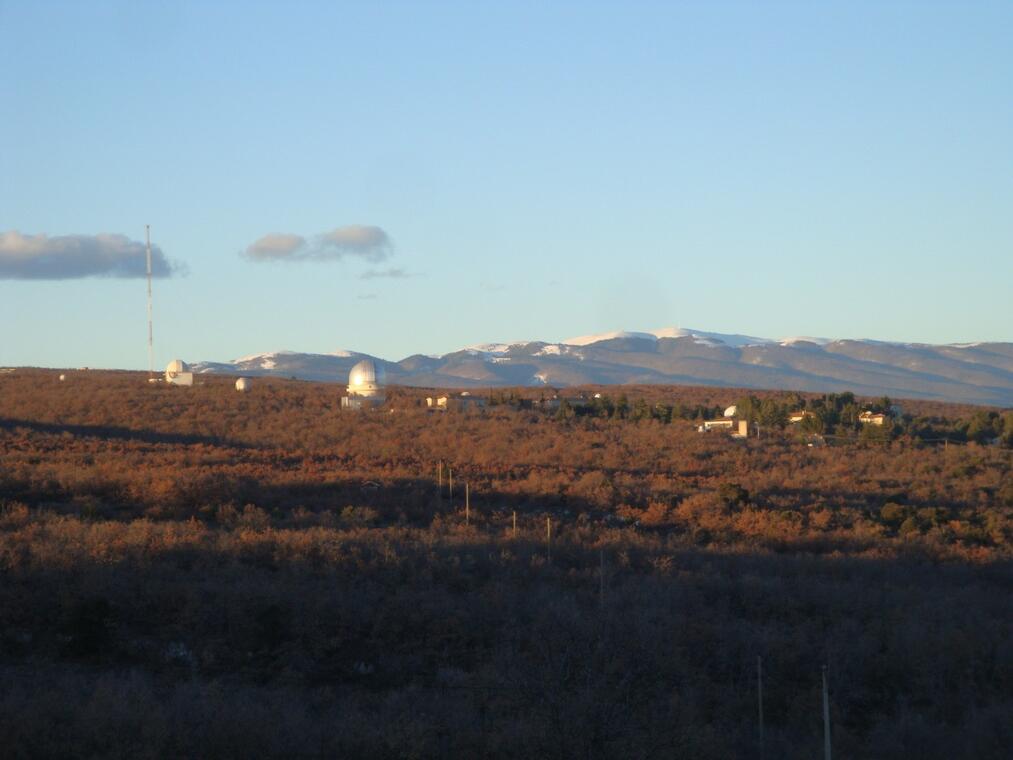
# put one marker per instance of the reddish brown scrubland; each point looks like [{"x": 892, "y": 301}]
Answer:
[{"x": 194, "y": 572}]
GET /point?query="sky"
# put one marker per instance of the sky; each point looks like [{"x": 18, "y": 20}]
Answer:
[{"x": 416, "y": 177}]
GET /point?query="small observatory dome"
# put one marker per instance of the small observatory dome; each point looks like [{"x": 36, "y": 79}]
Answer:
[
  {"x": 731, "y": 411},
  {"x": 243, "y": 384},
  {"x": 366, "y": 379}
]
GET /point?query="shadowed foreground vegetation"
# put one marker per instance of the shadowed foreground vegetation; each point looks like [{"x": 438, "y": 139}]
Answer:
[{"x": 199, "y": 573}]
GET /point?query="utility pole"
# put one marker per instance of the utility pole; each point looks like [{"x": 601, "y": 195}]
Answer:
[
  {"x": 450, "y": 480},
  {"x": 826, "y": 716},
  {"x": 151, "y": 349},
  {"x": 515, "y": 523},
  {"x": 467, "y": 504},
  {"x": 759, "y": 697}
]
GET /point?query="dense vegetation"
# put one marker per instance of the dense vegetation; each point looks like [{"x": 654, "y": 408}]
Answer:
[{"x": 197, "y": 572}]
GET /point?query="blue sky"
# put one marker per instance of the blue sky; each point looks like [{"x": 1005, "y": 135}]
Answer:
[{"x": 536, "y": 171}]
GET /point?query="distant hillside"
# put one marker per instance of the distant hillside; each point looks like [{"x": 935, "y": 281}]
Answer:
[{"x": 977, "y": 373}]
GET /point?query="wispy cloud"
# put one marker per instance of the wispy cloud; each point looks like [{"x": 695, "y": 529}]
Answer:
[
  {"x": 360, "y": 241},
  {"x": 69, "y": 257},
  {"x": 366, "y": 296},
  {"x": 391, "y": 274},
  {"x": 369, "y": 243},
  {"x": 276, "y": 246}
]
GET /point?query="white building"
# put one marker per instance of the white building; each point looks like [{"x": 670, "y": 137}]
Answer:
[
  {"x": 243, "y": 384},
  {"x": 365, "y": 386},
  {"x": 709, "y": 425},
  {"x": 178, "y": 373}
]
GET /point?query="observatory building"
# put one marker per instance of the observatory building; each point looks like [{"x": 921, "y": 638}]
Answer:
[
  {"x": 178, "y": 373},
  {"x": 243, "y": 384},
  {"x": 365, "y": 386}
]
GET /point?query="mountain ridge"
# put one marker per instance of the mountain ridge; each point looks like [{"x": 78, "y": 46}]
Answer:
[{"x": 979, "y": 373}]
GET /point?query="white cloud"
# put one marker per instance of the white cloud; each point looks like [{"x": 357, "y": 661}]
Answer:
[
  {"x": 275, "y": 246},
  {"x": 355, "y": 240},
  {"x": 369, "y": 243},
  {"x": 392, "y": 273},
  {"x": 67, "y": 257}
]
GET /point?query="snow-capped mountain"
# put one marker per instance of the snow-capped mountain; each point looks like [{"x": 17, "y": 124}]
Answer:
[{"x": 971, "y": 372}]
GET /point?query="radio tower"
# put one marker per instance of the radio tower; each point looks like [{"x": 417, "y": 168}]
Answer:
[{"x": 151, "y": 350}]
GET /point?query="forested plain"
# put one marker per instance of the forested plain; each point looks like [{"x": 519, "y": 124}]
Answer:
[{"x": 195, "y": 572}]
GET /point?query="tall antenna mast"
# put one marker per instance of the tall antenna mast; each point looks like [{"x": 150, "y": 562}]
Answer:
[{"x": 151, "y": 350}]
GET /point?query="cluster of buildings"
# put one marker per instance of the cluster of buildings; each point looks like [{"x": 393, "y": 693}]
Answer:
[
  {"x": 367, "y": 389},
  {"x": 178, "y": 372},
  {"x": 740, "y": 428},
  {"x": 457, "y": 403},
  {"x": 866, "y": 418}
]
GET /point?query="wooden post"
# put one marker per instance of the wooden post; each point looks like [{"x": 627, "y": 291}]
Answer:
[
  {"x": 548, "y": 538},
  {"x": 759, "y": 697},
  {"x": 439, "y": 476},
  {"x": 450, "y": 480},
  {"x": 467, "y": 504},
  {"x": 826, "y": 716},
  {"x": 515, "y": 523}
]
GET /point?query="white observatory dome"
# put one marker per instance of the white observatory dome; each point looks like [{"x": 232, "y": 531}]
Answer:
[
  {"x": 366, "y": 379},
  {"x": 178, "y": 373},
  {"x": 243, "y": 384},
  {"x": 731, "y": 411},
  {"x": 175, "y": 367}
]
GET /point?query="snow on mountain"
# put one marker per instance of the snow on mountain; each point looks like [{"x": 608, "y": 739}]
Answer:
[
  {"x": 701, "y": 337},
  {"x": 267, "y": 356},
  {"x": 493, "y": 349},
  {"x": 587, "y": 340},
  {"x": 269, "y": 360},
  {"x": 804, "y": 339}
]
